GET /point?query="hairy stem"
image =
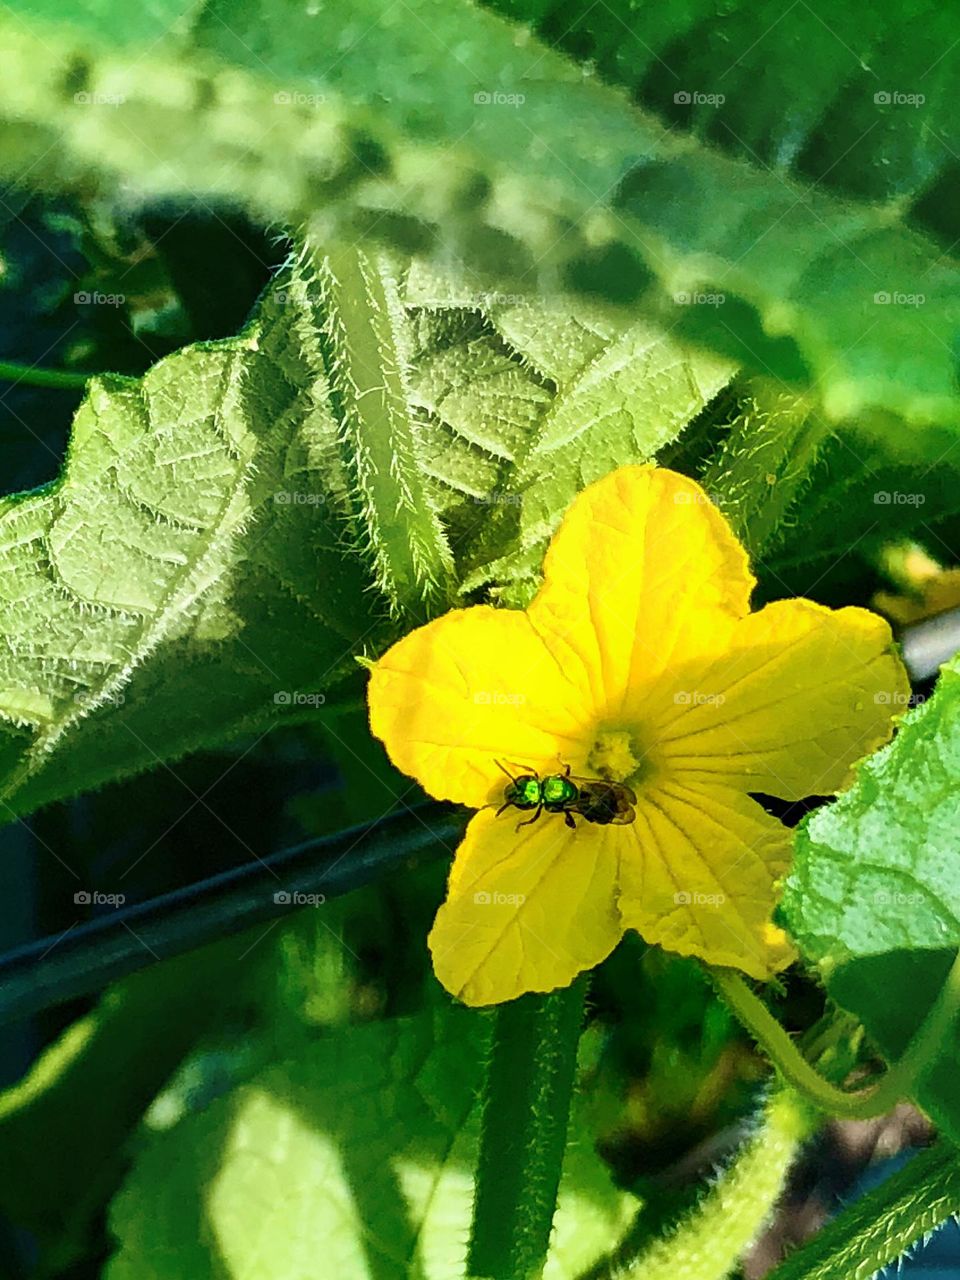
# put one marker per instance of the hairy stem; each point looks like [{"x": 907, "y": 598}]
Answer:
[
  {"x": 365, "y": 345},
  {"x": 709, "y": 1241},
  {"x": 526, "y": 1108},
  {"x": 880, "y": 1226},
  {"x": 794, "y": 1067}
]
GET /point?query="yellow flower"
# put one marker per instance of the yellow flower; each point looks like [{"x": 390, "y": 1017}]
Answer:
[{"x": 638, "y": 662}]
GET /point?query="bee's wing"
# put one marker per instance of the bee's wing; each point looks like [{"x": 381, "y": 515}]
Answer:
[
  {"x": 593, "y": 786},
  {"x": 624, "y": 817},
  {"x": 618, "y": 800},
  {"x": 601, "y": 787}
]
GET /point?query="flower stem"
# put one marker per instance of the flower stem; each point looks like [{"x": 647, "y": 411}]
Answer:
[
  {"x": 708, "y": 1242},
  {"x": 529, "y": 1089},
  {"x": 880, "y": 1226},
  {"x": 11, "y": 371},
  {"x": 898, "y": 1080}
]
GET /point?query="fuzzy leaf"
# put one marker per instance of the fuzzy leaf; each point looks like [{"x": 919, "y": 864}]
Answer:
[
  {"x": 878, "y": 869},
  {"x": 622, "y": 404},
  {"x": 524, "y": 414},
  {"x": 874, "y": 894},
  {"x": 193, "y": 574},
  {"x": 764, "y": 463},
  {"x": 203, "y": 567},
  {"x": 861, "y": 496}
]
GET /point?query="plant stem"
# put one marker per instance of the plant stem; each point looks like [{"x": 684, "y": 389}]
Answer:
[
  {"x": 364, "y": 341},
  {"x": 896, "y": 1083},
  {"x": 881, "y": 1225},
  {"x": 11, "y": 371},
  {"x": 708, "y": 1242},
  {"x": 526, "y": 1108}
]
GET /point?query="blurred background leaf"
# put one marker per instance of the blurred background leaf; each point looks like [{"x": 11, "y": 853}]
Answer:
[
  {"x": 530, "y": 170},
  {"x": 359, "y": 1149}
]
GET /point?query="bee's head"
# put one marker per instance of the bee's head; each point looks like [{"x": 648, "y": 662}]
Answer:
[{"x": 524, "y": 792}]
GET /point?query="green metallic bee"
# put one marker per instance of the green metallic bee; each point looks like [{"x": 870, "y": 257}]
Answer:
[{"x": 594, "y": 799}]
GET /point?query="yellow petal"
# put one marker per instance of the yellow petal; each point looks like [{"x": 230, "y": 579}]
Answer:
[
  {"x": 802, "y": 694},
  {"x": 526, "y": 910},
  {"x": 699, "y": 876},
  {"x": 471, "y": 688},
  {"x": 643, "y": 574}
]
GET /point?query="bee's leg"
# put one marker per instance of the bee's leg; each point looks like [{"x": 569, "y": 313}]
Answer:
[
  {"x": 502, "y": 808},
  {"x": 568, "y": 819},
  {"x": 533, "y": 819}
]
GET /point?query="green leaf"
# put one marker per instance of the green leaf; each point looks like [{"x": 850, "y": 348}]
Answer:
[
  {"x": 878, "y": 869},
  {"x": 622, "y": 405},
  {"x": 873, "y": 896},
  {"x": 357, "y": 1151},
  {"x": 764, "y": 463},
  {"x": 786, "y": 88},
  {"x": 572, "y": 187},
  {"x": 522, "y": 418},
  {"x": 891, "y": 994},
  {"x": 203, "y": 566},
  {"x": 63, "y": 1135},
  {"x": 194, "y": 573},
  {"x": 860, "y": 496}
]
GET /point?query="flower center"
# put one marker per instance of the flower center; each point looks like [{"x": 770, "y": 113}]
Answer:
[{"x": 619, "y": 755}]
